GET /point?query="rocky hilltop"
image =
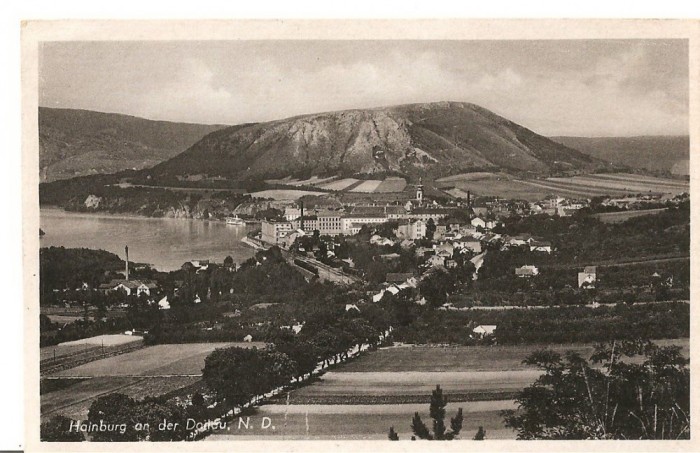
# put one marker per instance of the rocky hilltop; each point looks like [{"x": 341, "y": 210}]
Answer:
[{"x": 437, "y": 138}]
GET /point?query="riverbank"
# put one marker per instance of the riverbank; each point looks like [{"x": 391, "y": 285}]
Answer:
[
  {"x": 126, "y": 215},
  {"x": 165, "y": 243}
]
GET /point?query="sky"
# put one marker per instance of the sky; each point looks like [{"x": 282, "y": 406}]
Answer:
[{"x": 562, "y": 87}]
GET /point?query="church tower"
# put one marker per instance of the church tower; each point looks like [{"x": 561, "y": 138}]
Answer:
[{"x": 419, "y": 192}]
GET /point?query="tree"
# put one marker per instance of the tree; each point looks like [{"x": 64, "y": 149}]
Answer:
[
  {"x": 480, "y": 434},
  {"x": 436, "y": 287},
  {"x": 58, "y": 429},
  {"x": 237, "y": 375},
  {"x": 430, "y": 228},
  {"x": 115, "y": 409},
  {"x": 573, "y": 400},
  {"x": 437, "y": 413},
  {"x": 392, "y": 434}
]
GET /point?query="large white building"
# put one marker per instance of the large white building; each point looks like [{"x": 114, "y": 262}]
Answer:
[
  {"x": 411, "y": 229},
  {"x": 273, "y": 232}
]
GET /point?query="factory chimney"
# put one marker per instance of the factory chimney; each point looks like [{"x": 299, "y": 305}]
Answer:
[
  {"x": 301, "y": 216},
  {"x": 126, "y": 250},
  {"x": 469, "y": 198}
]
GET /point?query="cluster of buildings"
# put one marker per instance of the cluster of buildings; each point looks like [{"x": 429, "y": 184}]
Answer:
[
  {"x": 412, "y": 217},
  {"x": 557, "y": 206}
]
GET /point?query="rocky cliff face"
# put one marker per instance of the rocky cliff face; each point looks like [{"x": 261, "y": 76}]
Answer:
[{"x": 446, "y": 136}]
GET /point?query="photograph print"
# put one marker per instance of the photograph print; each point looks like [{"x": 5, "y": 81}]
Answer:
[{"x": 361, "y": 237}]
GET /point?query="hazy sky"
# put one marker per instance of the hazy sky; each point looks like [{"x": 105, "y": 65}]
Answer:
[{"x": 588, "y": 88}]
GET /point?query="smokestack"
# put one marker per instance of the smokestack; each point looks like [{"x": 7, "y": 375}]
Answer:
[
  {"x": 126, "y": 250},
  {"x": 469, "y": 198},
  {"x": 301, "y": 217}
]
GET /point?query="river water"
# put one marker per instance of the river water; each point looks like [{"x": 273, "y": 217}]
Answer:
[{"x": 164, "y": 243}]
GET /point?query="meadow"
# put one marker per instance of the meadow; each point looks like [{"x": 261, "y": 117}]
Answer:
[
  {"x": 158, "y": 360},
  {"x": 617, "y": 217},
  {"x": 363, "y": 398},
  {"x": 150, "y": 371},
  {"x": 585, "y": 186},
  {"x": 361, "y": 422},
  {"x": 284, "y": 194},
  {"x": 390, "y": 184}
]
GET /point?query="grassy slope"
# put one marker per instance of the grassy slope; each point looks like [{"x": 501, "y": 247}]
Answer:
[
  {"x": 651, "y": 153},
  {"x": 80, "y": 142}
]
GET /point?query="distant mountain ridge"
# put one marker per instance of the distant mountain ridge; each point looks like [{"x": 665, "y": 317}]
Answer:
[
  {"x": 83, "y": 142},
  {"x": 655, "y": 153},
  {"x": 435, "y": 138}
]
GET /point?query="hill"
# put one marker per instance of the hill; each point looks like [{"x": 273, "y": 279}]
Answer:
[
  {"x": 434, "y": 139},
  {"x": 82, "y": 142},
  {"x": 665, "y": 154}
]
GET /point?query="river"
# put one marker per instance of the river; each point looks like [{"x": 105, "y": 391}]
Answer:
[{"x": 164, "y": 243}]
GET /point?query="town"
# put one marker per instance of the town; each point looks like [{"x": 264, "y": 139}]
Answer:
[
  {"x": 363, "y": 240},
  {"x": 328, "y": 284}
]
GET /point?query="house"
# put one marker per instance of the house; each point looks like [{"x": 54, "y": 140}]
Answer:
[
  {"x": 128, "y": 286},
  {"x": 446, "y": 250},
  {"x": 272, "y": 232},
  {"x": 472, "y": 245},
  {"x": 519, "y": 240},
  {"x": 406, "y": 244},
  {"x": 440, "y": 231},
  {"x": 378, "y": 240},
  {"x": 411, "y": 229},
  {"x": 466, "y": 229},
  {"x": 390, "y": 256},
  {"x": 248, "y": 338},
  {"x": 478, "y": 222},
  {"x": 480, "y": 210},
  {"x": 527, "y": 271},
  {"x": 349, "y": 307},
  {"x": 587, "y": 278},
  {"x": 484, "y": 330},
  {"x": 540, "y": 246},
  {"x": 436, "y": 260},
  {"x": 163, "y": 304},
  {"x": 296, "y": 328},
  {"x": 393, "y": 290},
  {"x": 146, "y": 288},
  {"x": 398, "y": 277},
  {"x": 422, "y": 251},
  {"x": 377, "y": 297}
]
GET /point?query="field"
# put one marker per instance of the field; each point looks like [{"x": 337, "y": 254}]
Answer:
[
  {"x": 149, "y": 371},
  {"x": 499, "y": 184},
  {"x": 363, "y": 398},
  {"x": 368, "y": 186},
  {"x": 617, "y": 217},
  {"x": 103, "y": 340},
  {"x": 390, "y": 184},
  {"x": 359, "y": 422},
  {"x": 340, "y": 184},
  {"x": 491, "y": 184},
  {"x": 314, "y": 180},
  {"x": 283, "y": 194},
  {"x": 75, "y": 400},
  {"x": 159, "y": 360}
]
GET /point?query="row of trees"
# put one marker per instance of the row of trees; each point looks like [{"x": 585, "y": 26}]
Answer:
[{"x": 422, "y": 325}]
